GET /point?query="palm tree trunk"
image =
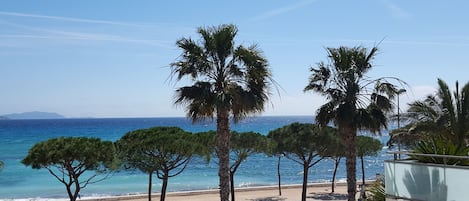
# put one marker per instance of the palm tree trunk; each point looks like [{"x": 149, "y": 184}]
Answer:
[
  {"x": 362, "y": 189},
  {"x": 278, "y": 174},
  {"x": 150, "y": 181},
  {"x": 351, "y": 161},
  {"x": 363, "y": 171},
  {"x": 305, "y": 181},
  {"x": 232, "y": 186},
  {"x": 336, "y": 165},
  {"x": 223, "y": 151}
]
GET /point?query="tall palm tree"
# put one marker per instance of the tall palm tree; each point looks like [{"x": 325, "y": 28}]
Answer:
[
  {"x": 228, "y": 81},
  {"x": 355, "y": 102},
  {"x": 446, "y": 114}
]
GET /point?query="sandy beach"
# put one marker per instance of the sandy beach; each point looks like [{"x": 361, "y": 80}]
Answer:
[{"x": 321, "y": 191}]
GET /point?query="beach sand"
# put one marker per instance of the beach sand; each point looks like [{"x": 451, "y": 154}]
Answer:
[{"x": 320, "y": 191}]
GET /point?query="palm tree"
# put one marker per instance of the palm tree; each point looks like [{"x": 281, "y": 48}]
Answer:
[
  {"x": 353, "y": 103},
  {"x": 445, "y": 114},
  {"x": 228, "y": 81}
]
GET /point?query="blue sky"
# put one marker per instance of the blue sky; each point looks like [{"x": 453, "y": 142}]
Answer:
[{"x": 111, "y": 58}]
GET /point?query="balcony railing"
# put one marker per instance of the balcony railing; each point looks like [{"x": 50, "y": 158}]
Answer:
[{"x": 409, "y": 179}]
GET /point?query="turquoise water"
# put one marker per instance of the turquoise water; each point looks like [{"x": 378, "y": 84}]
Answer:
[{"x": 20, "y": 182}]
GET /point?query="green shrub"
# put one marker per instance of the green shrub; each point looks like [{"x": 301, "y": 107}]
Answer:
[
  {"x": 440, "y": 146},
  {"x": 377, "y": 191}
]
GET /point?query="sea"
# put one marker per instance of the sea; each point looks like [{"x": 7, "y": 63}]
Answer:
[{"x": 19, "y": 182}]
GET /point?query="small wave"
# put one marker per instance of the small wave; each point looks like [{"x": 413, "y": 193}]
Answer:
[
  {"x": 245, "y": 184},
  {"x": 36, "y": 199}
]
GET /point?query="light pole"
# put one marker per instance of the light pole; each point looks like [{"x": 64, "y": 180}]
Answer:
[{"x": 399, "y": 92}]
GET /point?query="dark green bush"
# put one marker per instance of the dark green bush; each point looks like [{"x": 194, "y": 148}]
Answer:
[
  {"x": 376, "y": 191},
  {"x": 440, "y": 146}
]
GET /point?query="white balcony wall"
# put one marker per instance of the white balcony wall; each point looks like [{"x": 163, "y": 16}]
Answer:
[{"x": 421, "y": 181}]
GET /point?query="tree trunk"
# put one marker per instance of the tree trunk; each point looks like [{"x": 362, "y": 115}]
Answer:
[
  {"x": 305, "y": 181},
  {"x": 336, "y": 165},
  {"x": 77, "y": 188},
  {"x": 363, "y": 179},
  {"x": 232, "y": 186},
  {"x": 363, "y": 171},
  {"x": 69, "y": 192},
  {"x": 351, "y": 161},
  {"x": 150, "y": 181},
  {"x": 164, "y": 187},
  {"x": 278, "y": 174},
  {"x": 223, "y": 151}
]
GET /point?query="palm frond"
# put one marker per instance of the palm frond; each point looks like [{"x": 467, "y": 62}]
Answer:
[
  {"x": 371, "y": 118},
  {"x": 193, "y": 60},
  {"x": 226, "y": 77},
  {"x": 199, "y": 98},
  {"x": 319, "y": 78},
  {"x": 446, "y": 99},
  {"x": 382, "y": 102},
  {"x": 326, "y": 113}
]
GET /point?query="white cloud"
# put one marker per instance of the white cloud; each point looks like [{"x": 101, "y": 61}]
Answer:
[
  {"x": 68, "y": 19},
  {"x": 283, "y": 10},
  {"x": 52, "y": 34},
  {"x": 395, "y": 10},
  {"x": 414, "y": 94}
]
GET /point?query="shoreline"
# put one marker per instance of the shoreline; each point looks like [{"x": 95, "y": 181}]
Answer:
[{"x": 215, "y": 193}]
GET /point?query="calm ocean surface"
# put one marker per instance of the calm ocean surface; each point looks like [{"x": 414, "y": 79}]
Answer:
[{"x": 20, "y": 182}]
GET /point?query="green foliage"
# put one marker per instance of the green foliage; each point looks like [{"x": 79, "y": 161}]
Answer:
[
  {"x": 299, "y": 140},
  {"x": 335, "y": 148},
  {"x": 242, "y": 146},
  {"x": 88, "y": 153},
  {"x": 207, "y": 142},
  {"x": 303, "y": 144},
  {"x": 228, "y": 81},
  {"x": 355, "y": 102},
  {"x": 368, "y": 146},
  {"x": 377, "y": 191},
  {"x": 1, "y": 165},
  {"x": 408, "y": 135},
  {"x": 445, "y": 114},
  {"x": 344, "y": 84},
  {"x": 148, "y": 149},
  {"x": 247, "y": 143},
  {"x": 440, "y": 146},
  {"x": 235, "y": 78},
  {"x": 67, "y": 158},
  {"x": 158, "y": 149}
]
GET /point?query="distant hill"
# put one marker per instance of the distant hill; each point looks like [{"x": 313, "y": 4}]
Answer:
[{"x": 33, "y": 115}]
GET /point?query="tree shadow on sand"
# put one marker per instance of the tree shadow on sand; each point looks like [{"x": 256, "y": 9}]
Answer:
[
  {"x": 328, "y": 196},
  {"x": 268, "y": 199}
]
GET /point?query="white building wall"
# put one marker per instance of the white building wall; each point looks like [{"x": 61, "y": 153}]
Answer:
[{"x": 429, "y": 182}]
